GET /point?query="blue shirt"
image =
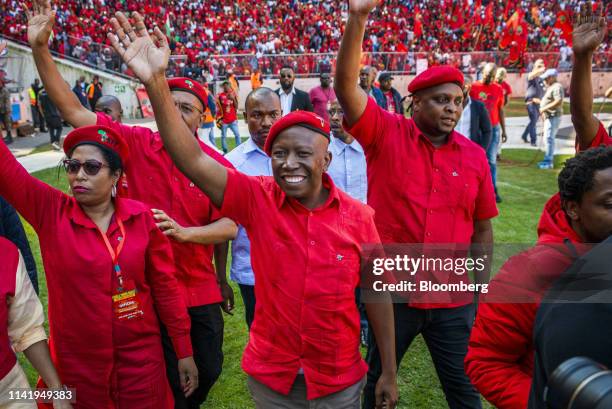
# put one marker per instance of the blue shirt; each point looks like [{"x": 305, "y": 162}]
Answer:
[
  {"x": 249, "y": 159},
  {"x": 348, "y": 168}
]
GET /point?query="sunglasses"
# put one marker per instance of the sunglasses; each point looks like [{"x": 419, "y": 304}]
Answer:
[{"x": 91, "y": 166}]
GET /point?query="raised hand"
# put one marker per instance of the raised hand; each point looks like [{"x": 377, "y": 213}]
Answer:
[
  {"x": 589, "y": 29},
  {"x": 40, "y": 22},
  {"x": 363, "y": 7},
  {"x": 139, "y": 50}
]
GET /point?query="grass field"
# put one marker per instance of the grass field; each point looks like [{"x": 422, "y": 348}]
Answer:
[
  {"x": 524, "y": 189},
  {"x": 516, "y": 107}
]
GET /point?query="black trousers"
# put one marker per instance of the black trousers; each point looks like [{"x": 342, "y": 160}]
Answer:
[
  {"x": 5, "y": 118},
  {"x": 207, "y": 342},
  {"x": 55, "y": 133},
  {"x": 446, "y": 332},
  {"x": 248, "y": 298}
]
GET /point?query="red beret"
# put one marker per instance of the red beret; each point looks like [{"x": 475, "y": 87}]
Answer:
[
  {"x": 305, "y": 119},
  {"x": 191, "y": 86},
  {"x": 436, "y": 75},
  {"x": 97, "y": 135}
]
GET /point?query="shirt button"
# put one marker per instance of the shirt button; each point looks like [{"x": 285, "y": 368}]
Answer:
[
  {"x": 428, "y": 234},
  {"x": 312, "y": 243},
  {"x": 430, "y": 211},
  {"x": 191, "y": 184},
  {"x": 436, "y": 169},
  {"x": 435, "y": 190}
]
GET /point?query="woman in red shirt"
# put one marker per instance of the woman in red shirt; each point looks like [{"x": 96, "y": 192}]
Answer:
[{"x": 109, "y": 275}]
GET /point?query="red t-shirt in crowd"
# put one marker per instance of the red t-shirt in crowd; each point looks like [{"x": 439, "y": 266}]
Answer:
[
  {"x": 228, "y": 110},
  {"x": 422, "y": 193},
  {"x": 506, "y": 88},
  {"x": 390, "y": 101},
  {"x": 306, "y": 316},
  {"x": 492, "y": 95}
]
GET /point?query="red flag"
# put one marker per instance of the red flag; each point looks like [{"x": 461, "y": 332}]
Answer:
[
  {"x": 564, "y": 23},
  {"x": 457, "y": 18},
  {"x": 516, "y": 30},
  {"x": 488, "y": 19},
  {"x": 418, "y": 27}
]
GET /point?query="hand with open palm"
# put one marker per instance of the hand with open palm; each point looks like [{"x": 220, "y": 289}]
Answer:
[
  {"x": 362, "y": 7},
  {"x": 589, "y": 29},
  {"x": 147, "y": 56},
  {"x": 40, "y": 22}
]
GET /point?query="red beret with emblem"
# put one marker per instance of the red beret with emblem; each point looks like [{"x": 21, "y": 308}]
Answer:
[
  {"x": 305, "y": 119},
  {"x": 100, "y": 136},
  {"x": 436, "y": 75},
  {"x": 191, "y": 86}
]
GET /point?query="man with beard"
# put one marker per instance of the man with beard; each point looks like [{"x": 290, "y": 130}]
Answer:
[
  {"x": 262, "y": 110},
  {"x": 428, "y": 185},
  {"x": 291, "y": 98},
  {"x": 322, "y": 95}
]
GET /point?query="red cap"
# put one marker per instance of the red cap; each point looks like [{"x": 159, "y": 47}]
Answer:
[
  {"x": 97, "y": 135},
  {"x": 305, "y": 119},
  {"x": 191, "y": 86},
  {"x": 436, "y": 75}
]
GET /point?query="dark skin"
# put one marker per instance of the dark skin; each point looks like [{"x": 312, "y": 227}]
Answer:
[
  {"x": 589, "y": 32},
  {"x": 591, "y": 217},
  {"x": 287, "y": 77},
  {"x": 299, "y": 159},
  {"x": 335, "y": 122},
  {"x": 111, "y": 106},
  {"x": 325, "y": 81},
  {"x": 262, "y": 109},
  {"x": 364, "y": 79},
  {"x": 385, "y": 85},
  {"x": 148, "y": 58},
  {"x": 436, "y": 111}
]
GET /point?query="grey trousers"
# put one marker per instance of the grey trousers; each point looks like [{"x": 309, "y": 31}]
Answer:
[{"x": 266, "y": 398}]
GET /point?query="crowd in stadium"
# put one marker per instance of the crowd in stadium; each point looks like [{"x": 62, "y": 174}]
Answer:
[{"x": 222, "y": 27}]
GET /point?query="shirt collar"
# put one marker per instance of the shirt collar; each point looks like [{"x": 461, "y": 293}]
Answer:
[
  {"x": 124, "y": 209},
  {"x": 337, "y": 145},
  {"x": 469, "y": 102},
  {"x": 251, "y": 146},
  {"x": 333, "y": 197},
  {"x": 282, "y": 91},
  {"x": 451, "y": 143}
]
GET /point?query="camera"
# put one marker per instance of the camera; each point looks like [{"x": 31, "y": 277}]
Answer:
[{"x": 579, "y": 383}]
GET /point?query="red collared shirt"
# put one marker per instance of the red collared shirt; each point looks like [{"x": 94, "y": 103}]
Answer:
[
  {"x": 155, "y": 180},
  {"x": 601, "y": 138},
  {"x": 422, "y": 193},
  {"x": 306, "y": 265},
  {"x": 87, "y": 342}
]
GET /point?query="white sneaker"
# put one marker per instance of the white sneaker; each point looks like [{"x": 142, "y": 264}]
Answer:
[{"x": 56, "y": 146}]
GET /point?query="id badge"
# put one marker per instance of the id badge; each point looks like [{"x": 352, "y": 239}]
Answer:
[{"x": 126, "y": 305}]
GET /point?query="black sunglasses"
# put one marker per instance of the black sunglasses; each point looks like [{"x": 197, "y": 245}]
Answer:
[{"x": 90, "y": 166}]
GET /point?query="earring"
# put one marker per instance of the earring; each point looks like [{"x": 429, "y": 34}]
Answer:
[{"x": 114, "y": 191}]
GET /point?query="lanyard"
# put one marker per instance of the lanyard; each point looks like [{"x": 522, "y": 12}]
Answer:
[{"x": 115, "y": 255}]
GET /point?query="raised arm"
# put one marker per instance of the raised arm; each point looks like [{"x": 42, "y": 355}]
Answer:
[
  {"x": 589, "y": 32},
  {"x": 40, "y": 26},
  {"x": 149, "y": 61},
  {"x": 351, "y": 97}
]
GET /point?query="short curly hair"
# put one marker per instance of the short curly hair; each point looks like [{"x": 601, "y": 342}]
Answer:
[{"x": 577, "y": 175}]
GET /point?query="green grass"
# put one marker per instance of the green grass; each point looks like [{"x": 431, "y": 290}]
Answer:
[
  {"x": 516, "y": 107},
  {"x": 42, "y": 148},
  {"x": 524, "y": 190}
]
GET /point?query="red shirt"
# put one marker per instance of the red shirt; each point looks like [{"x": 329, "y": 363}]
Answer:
[
  {"x": 155, "y": 180},
  {"x": 92, "y": 350},
  {"x": 602, "y": 137},
  {"x": 492, "y": 95},
  {"x": 506, "y": 88},
  {"x": 305, "y": 316},
  {"x": 422, "y": 194},
  {"x": 228, "y": 109},
  {"x": 8, "y": 274}
]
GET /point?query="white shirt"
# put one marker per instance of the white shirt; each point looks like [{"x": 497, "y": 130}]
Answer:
[
  {"x": 286, "y": 100},
  {"x": 463, "y": 126}
]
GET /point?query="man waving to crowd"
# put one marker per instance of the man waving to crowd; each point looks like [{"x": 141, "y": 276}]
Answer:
[
  {"x": 427, "y": 184},
  {"x": 303, "y": 348}
]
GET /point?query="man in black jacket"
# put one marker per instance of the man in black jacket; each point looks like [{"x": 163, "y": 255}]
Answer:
[
  {"x": 292, "y": 98},
  {"x": 12, "y": 229},
  {"x": 474, "y": 122},
  {"x": 393, "y": 99}
]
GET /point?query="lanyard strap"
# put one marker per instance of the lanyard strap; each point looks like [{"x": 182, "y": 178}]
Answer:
[{"x": 115, "y": 254}]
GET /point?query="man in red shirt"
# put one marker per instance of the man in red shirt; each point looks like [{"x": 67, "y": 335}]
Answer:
[
  {"x": 181, "y": 209},
  {"x": 228, "y": 111},
  {"x": 428, "y": 185},
  {"x": 492, "y": 95},
  {"x": 304, "y": 340}
]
